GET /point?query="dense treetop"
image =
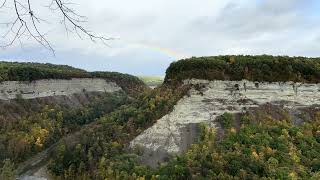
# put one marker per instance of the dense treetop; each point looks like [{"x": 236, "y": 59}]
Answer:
[
  {"x": 266, "y": 145},
  {"x": 254, "y": 68},
  {"x": 16, "y": 71},
  {"x": 41, "y": 123}
]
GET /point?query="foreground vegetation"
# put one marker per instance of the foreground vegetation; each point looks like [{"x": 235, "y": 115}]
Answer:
[
  {"x": 102, "y": 150},
  {"x": 262, "y": 148},
  {"x": 254, "y": 68},
  {"x": 36, "y": 130},
  {"x": 270, "y": 149}
]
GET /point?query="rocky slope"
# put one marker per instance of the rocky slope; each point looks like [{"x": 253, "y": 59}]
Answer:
[
  {"x": 18, "y": 98},
  {"x": 173, "y": 133},
  {"x": 28, "y": 87}
]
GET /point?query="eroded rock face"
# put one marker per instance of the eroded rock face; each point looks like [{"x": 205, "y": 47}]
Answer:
[
  {"x": 208, "y": 99},
  {"x": 46, "y": 88}
]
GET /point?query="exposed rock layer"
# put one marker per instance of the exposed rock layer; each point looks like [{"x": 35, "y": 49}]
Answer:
[
  {"x": 209, "y": 99},
  {"x": 46, "y": 88}
]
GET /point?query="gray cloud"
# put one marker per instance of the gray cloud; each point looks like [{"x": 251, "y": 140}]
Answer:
[{"x": 153, "y": 33}]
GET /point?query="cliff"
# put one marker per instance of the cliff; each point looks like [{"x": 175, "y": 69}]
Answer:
[
  {"x": 230, "y": 84},
  {"x": 29, "y": 72},
  {"x": 46, "y": 88},
  {"x": 176, "y": 131}
]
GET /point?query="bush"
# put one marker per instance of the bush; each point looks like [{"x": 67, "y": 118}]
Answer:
[
  {"x": 226, "y": 120},
  {"x": 7, "y": 171}
]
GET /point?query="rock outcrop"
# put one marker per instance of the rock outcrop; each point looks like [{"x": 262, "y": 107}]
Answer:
[
  {"x": 46, "y": 88},
  {"x": 173, "y": 133}
]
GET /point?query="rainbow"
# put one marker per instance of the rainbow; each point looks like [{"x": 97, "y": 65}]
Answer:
[{"x": 166, "y": 51}]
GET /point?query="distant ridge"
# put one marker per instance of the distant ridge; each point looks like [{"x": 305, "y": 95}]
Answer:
[
  {"x": 253, "y": 68},
  {"x": 28, "y": 71}
]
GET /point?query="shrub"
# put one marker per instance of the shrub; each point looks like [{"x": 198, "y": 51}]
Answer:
[{"x": 226, "y": 120}]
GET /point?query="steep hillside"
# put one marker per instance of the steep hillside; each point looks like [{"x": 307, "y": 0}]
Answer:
[
  {"x": 39, "y": 85},
  {"x": 244, "y": 113},
  {"x": 174, "y": 133},
  {"x": 41, "y": 103},
  {"x": 106, "y": 143}
]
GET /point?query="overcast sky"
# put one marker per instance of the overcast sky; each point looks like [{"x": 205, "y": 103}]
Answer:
[{"x": 150, "y": 34}]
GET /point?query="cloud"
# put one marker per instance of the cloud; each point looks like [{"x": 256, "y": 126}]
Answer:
[
  {"x": 152, "y": 33},
  {"x": 254, "y": 28}
]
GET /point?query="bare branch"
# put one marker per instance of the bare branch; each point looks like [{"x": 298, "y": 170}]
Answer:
[
  {"x": 26, "y": 23},
  {"x": 3, "y": 4},
  {"x": 68, "y": 13},
  {"x": 40, "y": 38}
]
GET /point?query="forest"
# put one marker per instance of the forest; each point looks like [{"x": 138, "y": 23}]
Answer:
[
  {"x": 262, "y": 148},
  {"x": 102, "y": 152},
  {"x": 17, "y": 71},
  {"x": 36, "y": 130},
  {"x": 254, "y": 68}
]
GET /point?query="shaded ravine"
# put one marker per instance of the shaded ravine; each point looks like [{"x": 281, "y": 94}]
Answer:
[{"x": 27, "y": 169}]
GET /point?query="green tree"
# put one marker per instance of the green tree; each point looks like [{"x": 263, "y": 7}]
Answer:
[
  {"x": 226, "y": 120},
  {"x": 7, "y": 172}
]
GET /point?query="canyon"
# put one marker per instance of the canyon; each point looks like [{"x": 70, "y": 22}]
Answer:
[{"x": 206, "y": 100}]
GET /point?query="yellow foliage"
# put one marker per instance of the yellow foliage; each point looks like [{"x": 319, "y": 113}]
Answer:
[
  {"x": 300, "y": 135},
  {"x": 141, "y": 178},
  {"x": 269, "y": 150},
  {"x": 317, "y": 116},
  {"x": 232, "y": 60},
  {"x": 294, "y": 157},
  {"x": 293, "y": 175},
  {"x": 233, "y": 130},
  {"x": 115, "y": 144},
  {"x": 39, "y": 142},
  {"x": 285, "y": 133},
  {"x": 44, "y": 132},
  {"x": 255, "y": 154},
  {"x": 41, "y": 136}
]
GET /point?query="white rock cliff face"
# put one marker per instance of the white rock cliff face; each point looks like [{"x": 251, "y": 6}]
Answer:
[
  {"x": 45, "y": 88},
  {"x": 167, "y": 135}
]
